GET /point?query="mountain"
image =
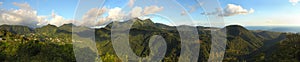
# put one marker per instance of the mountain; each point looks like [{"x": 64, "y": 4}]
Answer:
[
  {"x": 237, "y": 34},
  {"x": 48, "y": 29},
  {"x": 293, "y": 29},
  {"x": 248, "y": 41},
  {"x": 241, "y": 41},
  {"x": 285, "y": 50},
  {"x": 16, "y": 29},
  {"x": 56, "y": 42},
  {"x": 67, "y": 27}
]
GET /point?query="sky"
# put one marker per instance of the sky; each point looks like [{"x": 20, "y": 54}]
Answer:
[{"x": 90, "y": 13}]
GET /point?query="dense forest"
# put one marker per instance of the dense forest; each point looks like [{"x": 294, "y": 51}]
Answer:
[{"x": 54, "y": 44}]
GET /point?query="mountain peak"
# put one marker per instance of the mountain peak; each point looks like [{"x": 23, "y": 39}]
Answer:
[
  {"x": 235, "y": 27},
  {"x": 147, "y": 21},
  {"x": 236, "y": 30},
  {"x": 49, "y": 25},
  {"x": 136, "y": 19},
  {"x": 69, "y": 24},
  {"x": 137, "y": 22}
]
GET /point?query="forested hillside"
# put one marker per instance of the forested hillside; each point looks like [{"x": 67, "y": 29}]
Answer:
[{"x": 54, "y": 44}]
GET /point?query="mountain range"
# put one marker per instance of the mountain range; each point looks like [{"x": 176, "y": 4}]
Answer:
[
  {"x": 52, "y": 43},
  {"x": 292, "y": 29}
]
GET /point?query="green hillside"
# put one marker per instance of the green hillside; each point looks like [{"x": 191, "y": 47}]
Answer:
[{"x": 54, "y": 44}]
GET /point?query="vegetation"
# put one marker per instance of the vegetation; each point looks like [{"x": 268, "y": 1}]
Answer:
[{"x": 54, "y": 44}]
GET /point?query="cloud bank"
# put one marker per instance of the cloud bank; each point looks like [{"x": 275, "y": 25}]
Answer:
[
  {"x": 27, "y": 16},
  {"x": 90, "y": 17},
  {"x": 230, "y": 10},
  {"x": 98, "y": 17},
  {"x": 23, "y": 16},
  {"x": 57, "y": 20},
  {"x": 294, "y": 2}
]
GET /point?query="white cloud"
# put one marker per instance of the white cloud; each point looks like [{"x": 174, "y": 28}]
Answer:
[
  {"x": 116, "y": 14},
  {"x": 1, "y": 3},
  {"x": 26, "y": 16},
  {"x": 22, "y": 16},
  {"x": 18, "y": 17},
  {"x": 58, "y": 20},
  {"x": 131, "y": 3},
  {"x": 89, "y": 18},
  {"x": 231, "y": 10},
  {"x": 152, "y": 9},
  {"x": 136, "y": 12},
  {"x": 294, "y": 2},
  {"x": 42, "y": 20},
  {"x": 139, "y": 11},
  {"x": 94, "y": 17},
  {"x": 25, "y": 6},
  {"x": 93, "y": 13}
]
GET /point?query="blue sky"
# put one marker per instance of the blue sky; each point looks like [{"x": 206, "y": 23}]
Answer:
[
  {"x": 45, "y": 7},
  {"x": 189, "y": 12}
]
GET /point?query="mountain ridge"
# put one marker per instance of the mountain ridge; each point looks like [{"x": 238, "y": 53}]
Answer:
[{"x": 242, "y": 44}]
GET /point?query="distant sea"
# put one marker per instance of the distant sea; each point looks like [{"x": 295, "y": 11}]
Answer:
[{"x": 292, "y": 29}]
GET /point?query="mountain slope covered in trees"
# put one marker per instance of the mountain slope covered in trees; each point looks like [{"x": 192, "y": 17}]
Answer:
[{"x": 52, "y": 43}]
